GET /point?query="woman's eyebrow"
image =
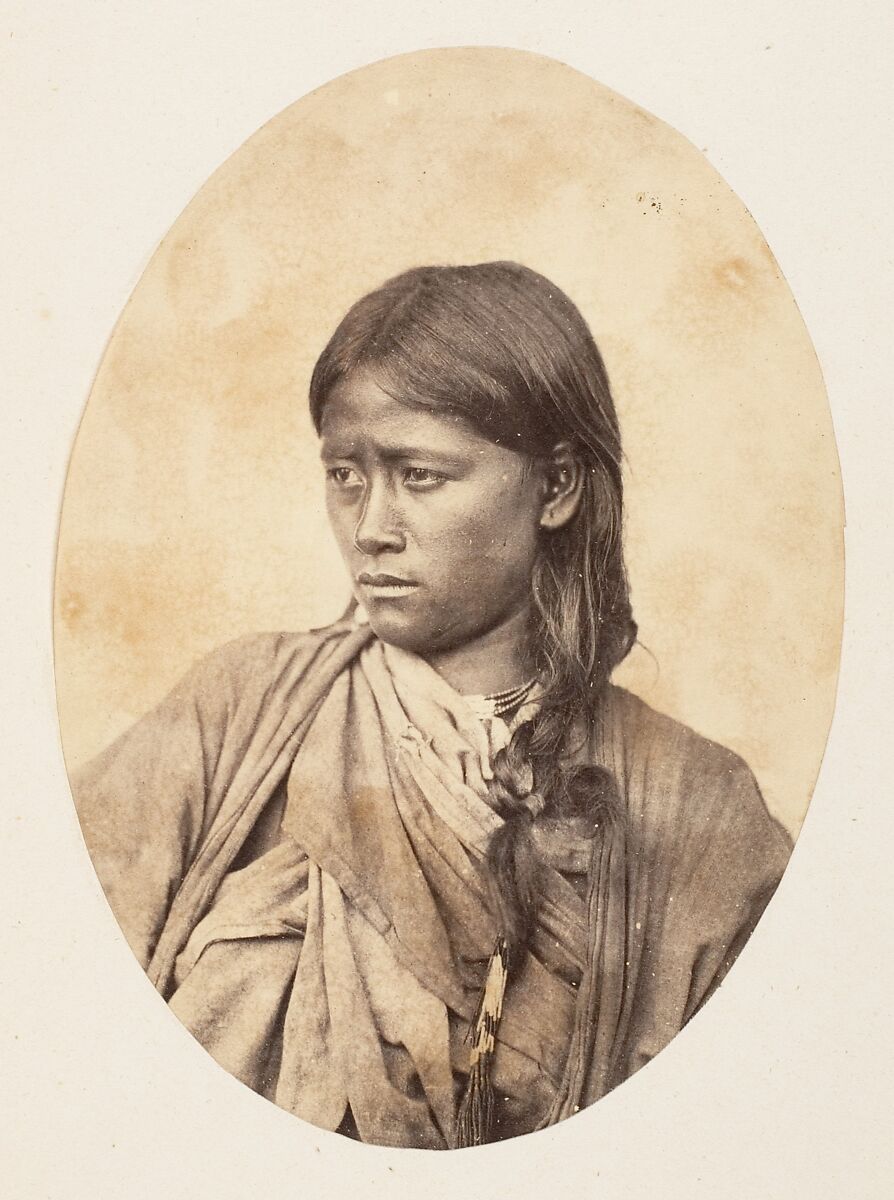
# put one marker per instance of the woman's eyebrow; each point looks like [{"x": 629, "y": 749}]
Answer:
[
  {"x": 391, "y": 452},
  {"x": 395, "y": 453},
  {"x": 340, "y": 448}
]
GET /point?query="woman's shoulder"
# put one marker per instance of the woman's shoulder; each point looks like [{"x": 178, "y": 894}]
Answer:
[
  {"x": 683, "y": 776},
  {"x": 265, "y": 654},
  {"x": 249, "y": 673},
  {"x": 645, "y": 730}
]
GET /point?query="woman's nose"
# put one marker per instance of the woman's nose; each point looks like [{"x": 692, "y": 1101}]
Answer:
[{"x": 378, "y": 528}]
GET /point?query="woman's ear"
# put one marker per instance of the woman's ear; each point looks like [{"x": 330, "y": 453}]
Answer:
[{"x": 563, "y": 479}]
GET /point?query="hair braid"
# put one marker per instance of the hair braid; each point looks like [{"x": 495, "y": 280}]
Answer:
[{"x": 513, "y": 864}]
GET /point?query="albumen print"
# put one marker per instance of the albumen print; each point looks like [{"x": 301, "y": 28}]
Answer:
[{"x": 448, "y": 599}]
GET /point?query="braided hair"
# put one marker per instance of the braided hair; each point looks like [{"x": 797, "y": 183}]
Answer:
[{"x": 505, "y": 349}]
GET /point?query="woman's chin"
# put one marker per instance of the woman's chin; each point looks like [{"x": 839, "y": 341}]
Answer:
[
  {"x": 394, "y": 630},
  {"x": 398, "y": 629}
]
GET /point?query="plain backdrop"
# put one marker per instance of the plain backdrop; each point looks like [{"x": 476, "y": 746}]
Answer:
[
  {"x": 115, "y": 114},
  {"x": 194, "y": 507}
]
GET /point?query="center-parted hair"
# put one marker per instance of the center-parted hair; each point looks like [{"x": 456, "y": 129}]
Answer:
[{"x": 505, "y": 349}]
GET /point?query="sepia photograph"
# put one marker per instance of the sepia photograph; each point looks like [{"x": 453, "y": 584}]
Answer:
[
  {"x": 448, "y": 599},
  {"x": 445, "y": 631}
]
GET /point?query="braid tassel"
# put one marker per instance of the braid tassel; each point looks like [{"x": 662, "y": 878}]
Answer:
[{"x": 474, "y": 1120}]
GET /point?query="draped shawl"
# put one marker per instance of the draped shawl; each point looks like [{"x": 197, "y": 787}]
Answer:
[{"x": 292, "y": 843}]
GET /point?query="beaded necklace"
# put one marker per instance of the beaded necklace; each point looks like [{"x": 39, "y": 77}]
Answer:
[{"x": 498, "y": 704}]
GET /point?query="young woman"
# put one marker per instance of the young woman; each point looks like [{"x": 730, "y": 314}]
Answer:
[{"x": 427, "y": 877}]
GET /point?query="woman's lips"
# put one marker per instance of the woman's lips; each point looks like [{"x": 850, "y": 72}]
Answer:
[{"x": 381, "y": 587}]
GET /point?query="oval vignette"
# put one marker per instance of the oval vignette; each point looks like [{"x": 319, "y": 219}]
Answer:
[{"x": 193, "y": 509}]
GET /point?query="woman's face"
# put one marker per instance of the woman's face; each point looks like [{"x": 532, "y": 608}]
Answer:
[{"x": 438, "y": 526}]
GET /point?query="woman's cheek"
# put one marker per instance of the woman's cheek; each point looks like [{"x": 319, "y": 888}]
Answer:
[{"x": 342, "y": 529}]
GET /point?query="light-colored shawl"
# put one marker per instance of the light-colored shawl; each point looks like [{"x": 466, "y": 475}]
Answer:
[
  {"x": 339, "y": 968},
  {"x": 386, "y": 827}
]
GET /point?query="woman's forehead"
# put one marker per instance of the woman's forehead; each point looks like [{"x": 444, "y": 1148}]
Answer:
[{"x": 359, "y": 414}]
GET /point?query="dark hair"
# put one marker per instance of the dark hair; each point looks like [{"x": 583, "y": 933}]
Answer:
[{"x": 504, "y": 348}]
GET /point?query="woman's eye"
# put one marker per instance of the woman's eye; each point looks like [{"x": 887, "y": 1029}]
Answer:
[
  {"x": 422, "y": 477},
  {"x": 344, "y": 476}
]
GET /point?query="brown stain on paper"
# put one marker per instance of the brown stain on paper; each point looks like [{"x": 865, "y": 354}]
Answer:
[{"x": 193, "y": 511}]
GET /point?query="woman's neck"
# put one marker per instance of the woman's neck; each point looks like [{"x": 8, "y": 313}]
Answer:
[{"x": 498, "y": 659}]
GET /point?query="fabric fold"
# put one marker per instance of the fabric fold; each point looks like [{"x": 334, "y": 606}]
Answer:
[{"x": 304, "y": 876}]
